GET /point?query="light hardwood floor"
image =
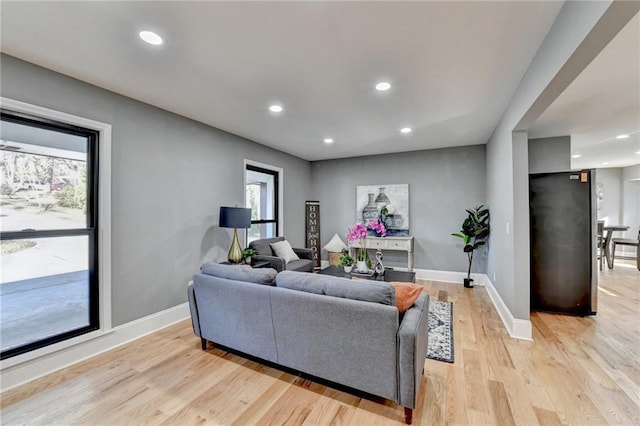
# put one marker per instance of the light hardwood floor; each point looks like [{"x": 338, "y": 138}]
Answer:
[{"x": 577, "y": 371}]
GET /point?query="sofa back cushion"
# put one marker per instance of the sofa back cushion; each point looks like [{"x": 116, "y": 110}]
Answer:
[
  {"x": 266, "y": 276},
  {"x": 263, "y": 247},
  {"x": 365, "y": 290}
]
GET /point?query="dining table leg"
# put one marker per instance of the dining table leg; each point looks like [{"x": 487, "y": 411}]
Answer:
[{"x": 607, "y": 253}]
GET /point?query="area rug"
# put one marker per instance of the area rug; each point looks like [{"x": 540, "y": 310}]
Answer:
[{"x": 440, "y": 331}]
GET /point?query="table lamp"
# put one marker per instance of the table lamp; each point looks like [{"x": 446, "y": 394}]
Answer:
[{"x": 235, "y": 217}]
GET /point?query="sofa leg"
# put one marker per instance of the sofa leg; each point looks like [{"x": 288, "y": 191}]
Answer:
[
  {"x": 408, "y": 415},
  {"x": 203, "y": 344}
]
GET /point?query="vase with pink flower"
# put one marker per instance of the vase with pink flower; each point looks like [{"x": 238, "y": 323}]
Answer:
[{"x": 358, "y": 233}]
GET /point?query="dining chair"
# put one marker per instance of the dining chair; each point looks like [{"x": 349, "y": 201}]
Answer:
[
  {"x": 627, "y": 242},
  {"x": 600, "y": 241}
]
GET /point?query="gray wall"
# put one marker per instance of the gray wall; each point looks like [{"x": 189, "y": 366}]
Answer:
[
  {"x": 631, "y": 204},
  {"x": 547, "y": 155},
  {"x": 621, "y": 201},
  {"x": 442, "y": 184},
  {"x": 170, "y": 176},
  {"x": 561, "y": 57},
  {"x": 611, "y": 208}
]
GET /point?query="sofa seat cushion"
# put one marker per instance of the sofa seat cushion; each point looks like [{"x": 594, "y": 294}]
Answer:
[
  {"x": 266, "y": 276},
  {"x": 366, "y": 290},
  {"x": 300, "y": 265}
]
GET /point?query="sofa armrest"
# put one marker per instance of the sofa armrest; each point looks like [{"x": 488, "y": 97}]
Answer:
[
  {"x": 412, "y": 350},
  {"x": 304, "y": 253},
  {"x": 276, "y": 263}
]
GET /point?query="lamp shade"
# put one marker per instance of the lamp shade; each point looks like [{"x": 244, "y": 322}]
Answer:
[{"x": 235, "y": 217}]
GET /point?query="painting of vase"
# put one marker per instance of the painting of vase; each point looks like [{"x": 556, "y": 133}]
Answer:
[{"x": 388, "y": 203}]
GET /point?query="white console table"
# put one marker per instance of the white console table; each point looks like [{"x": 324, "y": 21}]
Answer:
[{"x": 389, "y": 243}]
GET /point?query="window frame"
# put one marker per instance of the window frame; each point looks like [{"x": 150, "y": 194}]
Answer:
[
  {"x": 89, "y": 229},
  {"x": 101, "y": 203},
  {"x": 277, "y": 172}
]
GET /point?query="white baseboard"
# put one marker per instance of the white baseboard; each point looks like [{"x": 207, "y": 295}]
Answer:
[
  {"x": 27, "y": 371},
  {"x": 517, "y": 328},
  {"x": 447, "y": 276}
]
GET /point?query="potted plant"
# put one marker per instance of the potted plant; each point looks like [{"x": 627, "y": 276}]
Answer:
[
  {"x": 247, "y": 253},
  {"x": 358, "y": 233},
  {"x": 474, "y": 233},
  {"x": 346, "y": 261}
]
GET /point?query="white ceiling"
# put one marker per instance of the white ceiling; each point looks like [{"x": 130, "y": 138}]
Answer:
[
  {"x": 601, "y": 103},
  {"x": 453, "y": 65}
]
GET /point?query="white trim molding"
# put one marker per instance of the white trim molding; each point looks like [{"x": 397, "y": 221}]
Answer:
[
  {"x": 104, "y": 218},
  {"x": 447, "y": 276},
  {"x": 517, "y": 328},
  {"x": 30, "y": 370}
]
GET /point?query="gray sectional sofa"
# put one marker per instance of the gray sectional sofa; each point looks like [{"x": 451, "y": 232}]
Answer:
[{"x": 347, "y": 332}]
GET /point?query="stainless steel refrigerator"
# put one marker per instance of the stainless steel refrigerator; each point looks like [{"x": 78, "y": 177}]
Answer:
[{"x": 564, "y": 275}]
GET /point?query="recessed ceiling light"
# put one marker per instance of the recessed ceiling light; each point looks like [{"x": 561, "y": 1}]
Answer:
[
  {"x": 150, "y": 37},
  {"x": 328, "y": 140},
  {"x": 606, "y": 163},
  {"x": 622, "y": 136},
  {"x": 575, "y": 156},
  {"x": 275, "y": 108},
  {"x": 637, "y": 152},
  {"x": 406, "y": 130},
  {"x": 382, "y": 86}
]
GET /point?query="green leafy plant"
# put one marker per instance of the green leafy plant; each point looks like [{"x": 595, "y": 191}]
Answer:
[
  {"x": 346, "y": 259},
  {"x": 474, "y": 233},
  {"x": 248, "y": 252}
]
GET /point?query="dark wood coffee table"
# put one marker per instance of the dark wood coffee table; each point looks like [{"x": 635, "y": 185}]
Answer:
[{"x": 389, "y": 275}]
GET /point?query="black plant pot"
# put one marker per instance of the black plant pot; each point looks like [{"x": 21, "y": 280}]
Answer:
[{"x": 468, "y": 282}]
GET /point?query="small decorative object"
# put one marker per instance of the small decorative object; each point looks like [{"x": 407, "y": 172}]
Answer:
[
  {"x": 346, "y": 261},
  {"x": 474, "y": 234},
  {"x": 335, "y": 247},
  {"x": 379, "y": 266},
  {"x": 247, "y": 253},
  {"x": 359, "y": 233},
  {"x": 235, "y": 217}
]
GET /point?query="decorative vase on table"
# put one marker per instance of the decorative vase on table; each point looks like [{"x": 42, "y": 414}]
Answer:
[
  {"x": 358, "y": 233},
  {"x": 361, "y": 257}
]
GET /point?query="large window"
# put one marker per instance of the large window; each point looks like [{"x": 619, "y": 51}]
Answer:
[
  {"x": 262, "y": 196},
  {"x": 48, "y": 239}
]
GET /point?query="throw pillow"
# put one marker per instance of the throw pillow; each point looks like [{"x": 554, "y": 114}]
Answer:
[
  {"x": 336, "y": 245},
  {"x": 406, "y": 294},
  {"x": 283, "y": 249}
]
